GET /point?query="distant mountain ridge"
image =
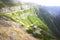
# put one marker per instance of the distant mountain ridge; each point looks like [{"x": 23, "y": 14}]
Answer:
[
  {"x": 55, "y": 10},
  {"x": 51, "y": 16}
]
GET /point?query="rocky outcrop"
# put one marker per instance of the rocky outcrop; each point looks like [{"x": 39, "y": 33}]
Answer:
[{"x": 14, "y": 8}]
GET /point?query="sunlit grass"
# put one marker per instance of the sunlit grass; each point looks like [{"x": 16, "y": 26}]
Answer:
[{"x": 30, "y": 20}]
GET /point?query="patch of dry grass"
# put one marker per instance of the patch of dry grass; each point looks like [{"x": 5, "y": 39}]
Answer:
[{"x": 13, "y": 32}]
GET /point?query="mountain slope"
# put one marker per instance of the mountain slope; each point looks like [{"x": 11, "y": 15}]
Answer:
[
  {"x": 52, "y": 21},
  {"x": 10, "y": 30}
]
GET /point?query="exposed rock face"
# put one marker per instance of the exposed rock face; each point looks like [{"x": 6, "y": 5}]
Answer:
[
  {"x": 14, "y": 8},
  {"x": 13, "y": 31}
]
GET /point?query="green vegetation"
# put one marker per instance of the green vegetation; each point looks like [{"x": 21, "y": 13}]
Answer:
[
  {"x": 4, "y": 4},
  {"x": 29, "y": 20}
]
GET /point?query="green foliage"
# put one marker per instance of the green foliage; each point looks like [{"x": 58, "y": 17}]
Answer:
[
  {"x": 30, "y": 20},
  {"x": 2, "y": 4}
]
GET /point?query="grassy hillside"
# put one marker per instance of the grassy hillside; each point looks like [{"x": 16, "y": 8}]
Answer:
[{"x": 27, "y": 17}]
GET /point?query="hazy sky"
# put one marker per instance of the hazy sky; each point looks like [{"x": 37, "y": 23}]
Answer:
[{"x": 45, "y": 2}]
